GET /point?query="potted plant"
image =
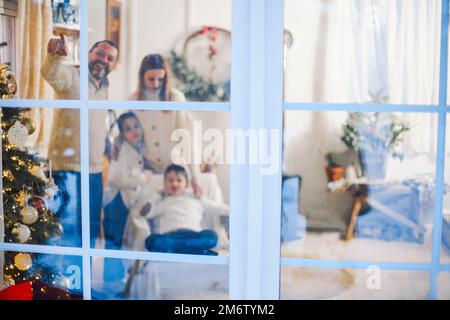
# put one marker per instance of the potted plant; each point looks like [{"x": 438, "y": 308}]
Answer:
[
  {"x": 374, "y": 136},
  {"x": 334, "y": 170}
]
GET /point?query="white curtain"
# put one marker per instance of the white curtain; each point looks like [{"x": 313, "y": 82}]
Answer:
[
  {"x": 356, "y": 51},
  {"x": 364, "y": 51},
  {"x": 35, "y": 29}
]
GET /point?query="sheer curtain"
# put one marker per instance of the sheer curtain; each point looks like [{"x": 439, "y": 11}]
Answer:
[
  {"x": 356, "y": 51},
  {"x": 34, "y": 32},
  {"x": 364, "y": 51},
  {"x": 35, "y": 29}
]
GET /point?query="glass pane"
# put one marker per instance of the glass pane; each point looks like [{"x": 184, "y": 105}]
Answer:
[
  {"x": 150, "y": 280},
  {"x": 27, "y": 276},
  {"x": 46, "y": 60},
  {"x": 168, "y": 50},
  {"x": 445, "y": 252},
  {"x": 41, "y": 176},
  {"x": 358, "y": 186},
  {"x": 444, "y": 286},
  {"x": 148, "y": 202},
  {"x": 353, "y": 284},
  {"x": 362, "y": 51}
]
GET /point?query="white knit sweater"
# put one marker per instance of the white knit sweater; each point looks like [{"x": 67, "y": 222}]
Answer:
[{"x": 64, "y": 144}]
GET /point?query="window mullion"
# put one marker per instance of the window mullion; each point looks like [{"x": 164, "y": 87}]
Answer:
[
  {"x": 84, "y": 149},
  {"x": 240, "y": 72},
  {"x": 273, "y": 122},
  {"x": 440, "y": 158}
]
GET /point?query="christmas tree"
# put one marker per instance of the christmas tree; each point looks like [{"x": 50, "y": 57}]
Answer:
[{"x": 27, "y": 217}]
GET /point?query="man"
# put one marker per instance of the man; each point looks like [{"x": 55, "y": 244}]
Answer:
[{"x": 64, "y": 146}]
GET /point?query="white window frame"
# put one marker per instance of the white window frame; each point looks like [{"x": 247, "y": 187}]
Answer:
[{"x": 255, "y": 200}]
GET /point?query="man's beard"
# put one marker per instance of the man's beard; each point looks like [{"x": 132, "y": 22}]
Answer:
[{"x": 96, "y": 72}]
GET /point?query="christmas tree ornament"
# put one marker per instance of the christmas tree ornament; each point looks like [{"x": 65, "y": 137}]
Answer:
[
  {"x": 22, "y": 198},
  {"x": 21, "y": 232},
  {"x": 23, "y": 261},
  {"x": 29, "y": 124},
  {"x": 39, "y": 203},
  {"x": 29, "y": 215},
  {"x": 8, "y": 85},
  {"x": 51, "y": 190},
  {"x": 38, "y": 171},
  {"x": 8, "y": 281},
  {"x": 7, "y": 174},
  {"x": 17, "y": 135}
]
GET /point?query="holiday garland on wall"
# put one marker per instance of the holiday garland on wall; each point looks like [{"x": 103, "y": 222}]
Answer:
[
  {"x": 27, "y": 217},
  {"x": 194, "y": 86}
]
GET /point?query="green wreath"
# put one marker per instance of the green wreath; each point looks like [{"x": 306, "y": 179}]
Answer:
[{"x": 194, "y": 87}]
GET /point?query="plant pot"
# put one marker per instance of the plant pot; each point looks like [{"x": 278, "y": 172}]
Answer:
[
  {"x": 335, "y": 173},
  {"x": 373, "y": 164}
]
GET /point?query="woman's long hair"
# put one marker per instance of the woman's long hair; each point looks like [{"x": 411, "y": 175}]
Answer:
[{"x": 154, "y": 62}]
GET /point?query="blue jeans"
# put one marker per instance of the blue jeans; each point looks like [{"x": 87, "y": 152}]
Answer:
[
  {"x": 95, "y": 204},
  {"x": 183, "y": 241},
  {"x": 67, "y": 205},
  {"x": 116, "y": 214}
]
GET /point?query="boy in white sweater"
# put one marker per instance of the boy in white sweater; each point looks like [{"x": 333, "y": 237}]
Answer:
[{"x": 177, "y": 216}]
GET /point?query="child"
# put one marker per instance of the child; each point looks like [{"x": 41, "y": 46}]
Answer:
[
  {"x": 129, "y": 173},
  {"x": 177, "y": 216}
]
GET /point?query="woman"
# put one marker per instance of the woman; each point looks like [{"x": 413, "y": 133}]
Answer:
[{"x": 154, "y": 84}]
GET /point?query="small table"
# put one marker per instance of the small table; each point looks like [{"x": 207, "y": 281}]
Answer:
[{"x": 359, "y": 191}]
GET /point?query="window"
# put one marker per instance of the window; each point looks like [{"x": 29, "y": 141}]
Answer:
[{"x": 297, "y": 90}]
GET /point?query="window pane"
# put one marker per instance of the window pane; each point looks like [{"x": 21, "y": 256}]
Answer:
[
  {"x": 172, "y": 51},
  {"x": 146, "y": 209},
  {"x": 150, "y": 280},
  {"x": 52, "y": 277},
  {"x": 444, "y": 286},
  {"x": 375, "y": 203},
  {"x": 362, "y": 51},
  {"x": 353, "y": 284},
  {"x": 41, "y": 176},
  {"x": 42, "y": 47}
]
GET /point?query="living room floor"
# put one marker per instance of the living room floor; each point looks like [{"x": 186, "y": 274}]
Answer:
[
  {"x": 317, "y": 283},
  {"x": 190, "y": 281}
]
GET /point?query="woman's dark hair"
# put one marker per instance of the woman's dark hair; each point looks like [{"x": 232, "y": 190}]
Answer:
[
  {"x": 179, "y": 170},
  {"x": 154, "y": 62}
]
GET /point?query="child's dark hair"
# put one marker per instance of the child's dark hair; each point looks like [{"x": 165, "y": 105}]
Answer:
[
  {"x": 118, "y": 141},
  {"x": 125, "y": 116},
  {"x": 179, "y": 170}
]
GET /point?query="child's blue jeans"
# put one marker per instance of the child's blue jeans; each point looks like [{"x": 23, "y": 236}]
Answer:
[{"x": 183, "y": 241}]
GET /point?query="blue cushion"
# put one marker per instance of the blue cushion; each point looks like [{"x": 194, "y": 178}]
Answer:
[
  {"x": 446, "y": 231},
  {"x": 375, "y": 224},
  {"x": 293, "y": 224}
]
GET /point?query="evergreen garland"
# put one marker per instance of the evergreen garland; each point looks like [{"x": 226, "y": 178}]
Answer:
[{"x": 194, "y": 87}]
